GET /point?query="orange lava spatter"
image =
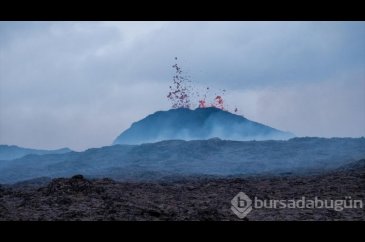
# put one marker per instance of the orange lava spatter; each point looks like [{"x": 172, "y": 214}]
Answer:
[{"x": 183, "y": 95}]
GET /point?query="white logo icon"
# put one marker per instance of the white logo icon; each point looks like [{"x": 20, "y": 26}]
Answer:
[{"x": 241, "y": 205}]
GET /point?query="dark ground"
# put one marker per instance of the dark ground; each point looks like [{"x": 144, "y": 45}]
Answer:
[{"x": 196, "y": 198}]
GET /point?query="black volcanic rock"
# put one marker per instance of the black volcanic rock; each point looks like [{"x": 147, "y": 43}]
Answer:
[
  {"x": 198, "y": 124},
  {"x": 192, "y": 198},
  {"x": 76, "y": 184}
]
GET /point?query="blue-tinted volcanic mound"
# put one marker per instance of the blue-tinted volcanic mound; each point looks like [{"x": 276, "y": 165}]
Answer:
[{"x": 198, "y": 124}]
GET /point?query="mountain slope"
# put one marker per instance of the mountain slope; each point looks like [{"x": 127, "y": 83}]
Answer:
[
  {"x": 10, "y": 152},
  {"x": 198, "y": 124},
  {"x": 202, "y": 157}
]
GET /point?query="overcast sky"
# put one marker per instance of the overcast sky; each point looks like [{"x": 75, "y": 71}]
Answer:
[{"x": 80, "y": 84}]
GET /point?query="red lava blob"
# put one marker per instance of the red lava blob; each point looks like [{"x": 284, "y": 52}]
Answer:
[
  {"x": 218, "y": 102},
  {"x": 201, "y": 103}
]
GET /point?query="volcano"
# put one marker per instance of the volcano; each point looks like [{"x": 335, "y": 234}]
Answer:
[{"x": 198, "y": 124}]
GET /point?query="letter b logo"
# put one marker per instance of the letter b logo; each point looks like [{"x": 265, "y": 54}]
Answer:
[{"x": 241, "y": 205}]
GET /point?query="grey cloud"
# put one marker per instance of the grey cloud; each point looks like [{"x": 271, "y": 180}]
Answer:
[{"x": 79, "y": 84}]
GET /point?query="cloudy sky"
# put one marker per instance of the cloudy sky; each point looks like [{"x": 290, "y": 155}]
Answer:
[{"x": 80, "y": 84}]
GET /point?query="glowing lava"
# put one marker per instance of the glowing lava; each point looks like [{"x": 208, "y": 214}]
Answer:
[
  {"x": 201, "y": 103},
  {"x": 218, "y": 102},
  {"x": 182, "y": 94}
]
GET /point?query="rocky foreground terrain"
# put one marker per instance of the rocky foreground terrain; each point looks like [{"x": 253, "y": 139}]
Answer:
[{"x": 194, "y": 198}]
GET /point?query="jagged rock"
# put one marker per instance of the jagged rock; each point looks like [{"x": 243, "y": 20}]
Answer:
[
  {"x": 77, "y": 184},
  {"x": 191, "y": 198}
]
